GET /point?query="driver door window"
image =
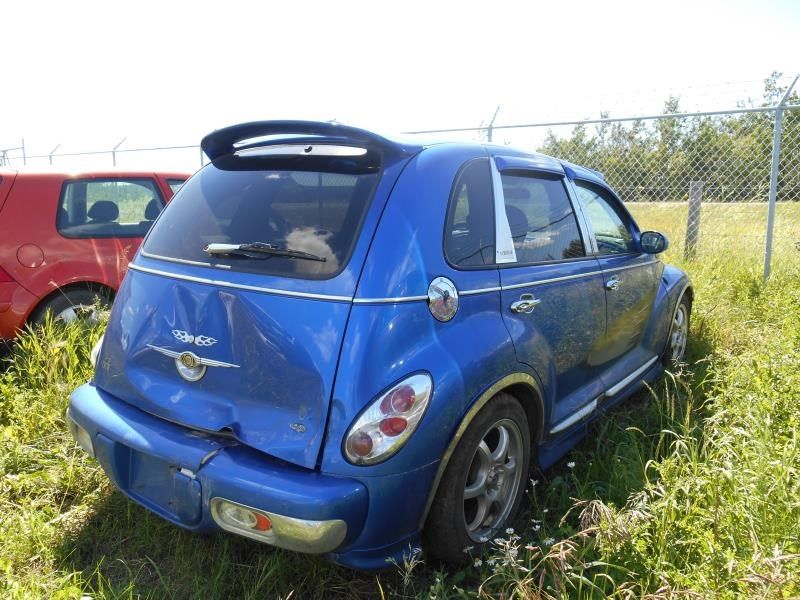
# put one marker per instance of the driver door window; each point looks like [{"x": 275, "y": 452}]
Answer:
[{"x": 610, "y": 227}]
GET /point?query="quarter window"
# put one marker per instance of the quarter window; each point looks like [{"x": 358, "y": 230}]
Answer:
[
  {"x": 108, "y": 208},
  {"x": 469, "y": 235},
  {"x": 175, "y": 184},
  {"x": 610, "y": 230},
  {"x": 542, "y": 223}
]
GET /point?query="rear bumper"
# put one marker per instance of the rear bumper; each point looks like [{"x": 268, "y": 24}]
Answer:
[{"x": 180, "y": 475}]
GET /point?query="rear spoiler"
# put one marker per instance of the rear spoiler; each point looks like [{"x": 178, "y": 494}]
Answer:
[{"x": 224, "y": 142}]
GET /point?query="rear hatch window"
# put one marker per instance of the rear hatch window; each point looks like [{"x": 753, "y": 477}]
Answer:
[{"x": 295, "y": 223}]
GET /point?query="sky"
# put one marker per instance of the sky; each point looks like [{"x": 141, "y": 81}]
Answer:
[{"x": 86, "y": 74}]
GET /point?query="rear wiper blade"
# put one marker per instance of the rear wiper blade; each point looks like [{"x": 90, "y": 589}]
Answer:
[{"x": 256, "y": 248}]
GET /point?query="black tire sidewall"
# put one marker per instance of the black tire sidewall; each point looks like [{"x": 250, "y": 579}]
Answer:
[
  {"x": 445, "y": 536},
  {"x": 667, "y": 356}
]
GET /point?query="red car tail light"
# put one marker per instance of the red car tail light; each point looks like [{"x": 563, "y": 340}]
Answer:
[{"x": 388, "y": 421}]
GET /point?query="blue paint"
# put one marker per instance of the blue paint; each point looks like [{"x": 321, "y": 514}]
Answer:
[{"x": 311, "y": 354}]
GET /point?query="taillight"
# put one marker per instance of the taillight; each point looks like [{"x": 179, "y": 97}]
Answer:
[
  {"x": 5, "y": 277},
  {"x": 388, "y": 421}
]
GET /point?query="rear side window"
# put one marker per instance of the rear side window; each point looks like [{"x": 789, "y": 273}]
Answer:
[
  {"x": 108, "y": 208},
  {"x": 175, "y": 184},
  {"x": 315, "y": 212},
  {"x": 542, "y": 223},
  {"x": 469, "y": 234}
]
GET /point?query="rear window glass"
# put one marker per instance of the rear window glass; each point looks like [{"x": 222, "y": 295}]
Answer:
[{"x": 313, "y": 212}]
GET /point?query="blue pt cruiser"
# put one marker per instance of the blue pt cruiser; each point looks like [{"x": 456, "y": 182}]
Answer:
[{"x": 344, "y": 344}]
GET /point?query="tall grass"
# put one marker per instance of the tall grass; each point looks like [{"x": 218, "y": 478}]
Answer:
[{"x": 689, "y": 489}]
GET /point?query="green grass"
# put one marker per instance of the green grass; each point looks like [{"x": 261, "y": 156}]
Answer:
[{"x": 691, "y": 488}]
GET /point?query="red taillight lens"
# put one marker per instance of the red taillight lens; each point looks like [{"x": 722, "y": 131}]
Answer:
[
  {"x": 360, "y": 444},
  {"x": 387, "y": 422},
  {"x": 393, "y": 426},
  {"x": 5, "y": 277},
  {"x": 399, "y": 401}
]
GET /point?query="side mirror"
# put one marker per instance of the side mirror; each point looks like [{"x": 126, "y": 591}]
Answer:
[{"x": 653, "y": 242}]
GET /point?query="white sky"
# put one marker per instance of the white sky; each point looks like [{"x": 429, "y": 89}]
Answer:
[{"x": 85, "y": 74}]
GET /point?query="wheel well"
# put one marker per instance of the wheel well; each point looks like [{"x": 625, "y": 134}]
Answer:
[
  {"x": 689, "y": 293},
  {"x": 532, "y": 404},
  {"x": 92, "y": 286}
]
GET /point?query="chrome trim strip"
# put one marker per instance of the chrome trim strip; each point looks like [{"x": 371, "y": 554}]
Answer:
[
  {"x": 551, "y": 280},
  {"x": 626, "y": 267},
  {"x": 574, "y": 417},
  {"x": 239, "y": 286},
  {"x": 481, "y": 291},
  {"x": 630, "y": 378},
  {"x": 569, "y": 277},
  {"x": 389, "y": 300},
  {"x": 183, "y": 261}
]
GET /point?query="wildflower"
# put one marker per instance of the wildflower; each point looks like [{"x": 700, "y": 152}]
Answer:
[
  {"x": 549, "y": 541},
  {"x": 498, "y": 540},
  {"x": 478, "y": 562},
  {"x": 530, "y": 547},
  {"x": 571, "y": 464},
  {"x": 534, "y": 482},
  {"x": 545, "y": 510},
  {"x": 510, "y": 530},
  {"x": 490, "y": 562},
  {"x": 536, "y": 527},
  {"x": 484, "y": 539},
  {"x": 467, "y": 549}
]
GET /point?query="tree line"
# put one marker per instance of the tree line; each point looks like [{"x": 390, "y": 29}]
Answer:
[{"x": 656, "y": 160}]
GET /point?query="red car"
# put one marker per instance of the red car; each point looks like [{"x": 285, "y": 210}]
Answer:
[{"x": 66, "y": 238}]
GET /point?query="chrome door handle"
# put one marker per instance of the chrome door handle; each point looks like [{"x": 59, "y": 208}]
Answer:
[
  {"x": 613, "y": 283},
  {"x": 525, "y": 304}
]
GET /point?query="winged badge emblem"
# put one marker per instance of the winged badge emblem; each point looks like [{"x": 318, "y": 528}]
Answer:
[{"x": 190, "y": 366}]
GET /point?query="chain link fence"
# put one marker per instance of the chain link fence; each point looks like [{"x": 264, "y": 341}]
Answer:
[
  {"x": 704, "y": 180},
  {"x": 709, "y": 180}
]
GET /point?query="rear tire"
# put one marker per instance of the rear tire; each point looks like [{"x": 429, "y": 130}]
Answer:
[
  {"x": 483, "y": 484},
  {"x": 675, "y": 351},
  {"x": 71, "y": 305}
]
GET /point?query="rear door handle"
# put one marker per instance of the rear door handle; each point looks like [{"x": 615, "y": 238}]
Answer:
[
  {"x": 613, "y": 283},
  {"x": 525, "y": 304}
]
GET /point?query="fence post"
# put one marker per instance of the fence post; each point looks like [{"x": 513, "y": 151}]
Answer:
[
  {"x": 773, "y": 178},
  {"x": 114, "y": 151},
  {"x": 491, "y": 125},
  {"x": 53, "y": 151},
  {"x": 693, "y": 219}
]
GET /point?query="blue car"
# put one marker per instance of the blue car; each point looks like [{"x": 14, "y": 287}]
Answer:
[{"x": 344, "y": 344}]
